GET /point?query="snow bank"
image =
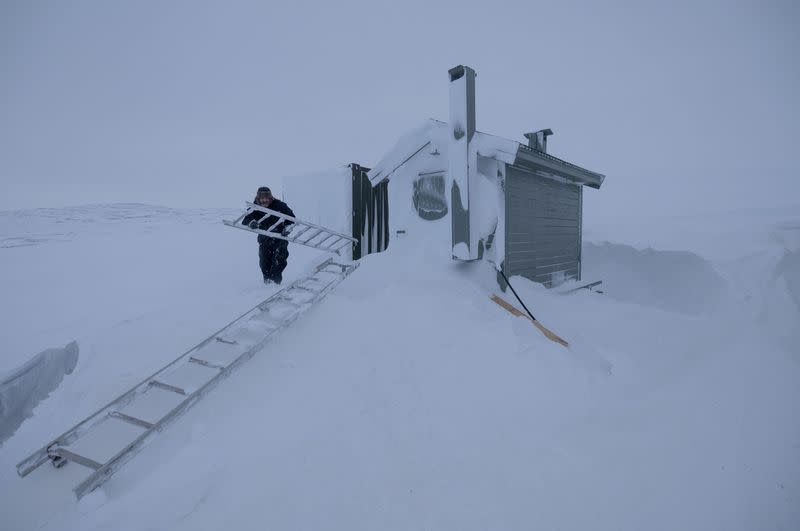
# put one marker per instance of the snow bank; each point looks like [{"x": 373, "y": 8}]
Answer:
[
  {"x": 408, "y": 400},
  {"x": 134, "y": 286},
  {"x": 678, "y": 281},
  {"x": 23, "y": 389},
  {"x": 716, "y": 236}
]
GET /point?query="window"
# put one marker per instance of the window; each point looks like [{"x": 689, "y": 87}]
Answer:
[{"x": 429, "y": 198}]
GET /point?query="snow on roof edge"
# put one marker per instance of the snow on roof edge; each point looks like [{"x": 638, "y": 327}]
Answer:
[
  {"x": 404, "y": 149},
  {"x": 414, "y": 141}
]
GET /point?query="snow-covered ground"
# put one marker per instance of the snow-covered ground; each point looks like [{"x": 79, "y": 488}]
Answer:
[{"x": 407, "y": 399}]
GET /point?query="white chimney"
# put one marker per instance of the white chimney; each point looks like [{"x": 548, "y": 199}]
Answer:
[{"x": 462, "y": 162}]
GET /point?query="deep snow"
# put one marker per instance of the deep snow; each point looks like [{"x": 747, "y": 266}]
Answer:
[
  {"x": 23, "y": 389},
  {"x": 407, "y": 399}
]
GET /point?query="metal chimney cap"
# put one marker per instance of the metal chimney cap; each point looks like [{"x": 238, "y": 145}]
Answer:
[
  {"x": 458, "y": 72},
  {"x": 545, "y": 132}
]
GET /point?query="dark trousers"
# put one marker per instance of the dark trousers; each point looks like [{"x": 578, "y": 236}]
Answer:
[{"x": 272, "y": 256}]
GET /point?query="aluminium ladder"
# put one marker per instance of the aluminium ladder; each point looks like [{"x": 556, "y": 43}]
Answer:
[
  {"x": 186, "y": 379},
  {"x": 302, "y": 232}
]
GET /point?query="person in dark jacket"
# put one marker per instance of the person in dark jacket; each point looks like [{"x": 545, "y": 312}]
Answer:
[{"x": 273, "y": 253}]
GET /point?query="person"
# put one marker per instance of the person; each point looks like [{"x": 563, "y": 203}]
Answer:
[{"x": 273, "y": 253}]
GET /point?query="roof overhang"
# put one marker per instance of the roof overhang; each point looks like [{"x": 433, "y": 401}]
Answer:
[
  {"x": 538, "y": 161},
  {"x": 431, "y": 131}
]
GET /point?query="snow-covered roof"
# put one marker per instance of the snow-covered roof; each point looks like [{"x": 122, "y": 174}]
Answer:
[{"x": 434, "y": 132}]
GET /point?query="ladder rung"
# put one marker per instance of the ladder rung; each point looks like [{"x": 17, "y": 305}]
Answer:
[
  {"x": 131, "y": 420},
  {"x": 167, "y": 387},
  {"x": 60, "y": 450},
  {"x": 205, "y": 363},
  {"x": 310, "y": 290},
  {"x": 343, "y": 244},
  {"x": 76, "y": 458},
  {"x": 326, "y": 238},
  {"x": 287, "y": 300},
  {"x": 280, "y": 220},
  {"x": 319, "y": 231},
  {"x": 303, "y": 288},
  {"x": 295, "y": 236},
  {"x": 334, "y": 242},
  {"x": 226, "y": 341}
]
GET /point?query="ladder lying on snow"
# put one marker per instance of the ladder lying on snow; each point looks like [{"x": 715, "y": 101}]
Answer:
[
  {"x": 187, "y": 378},
  {"x": 302, "y": 232}
]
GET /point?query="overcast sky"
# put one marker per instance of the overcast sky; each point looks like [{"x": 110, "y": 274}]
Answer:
[{"x": 683, "y": 107}]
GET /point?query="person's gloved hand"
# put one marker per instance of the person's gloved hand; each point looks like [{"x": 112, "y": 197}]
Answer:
[{"x": 253, "y": 224}]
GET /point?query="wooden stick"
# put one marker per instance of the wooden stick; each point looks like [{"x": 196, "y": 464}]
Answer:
[{"x": 514, "y": 311}]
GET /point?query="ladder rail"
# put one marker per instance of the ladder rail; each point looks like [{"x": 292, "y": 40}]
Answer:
[
  {"x": 276, "y": 235},
  {"x": 253, "y": 206},
  {"x": 102, "y": 474},
  {"x": 35, "y": 460},
  {"x": 295, "y": 238},
  {"x": 39, "y": 457}
]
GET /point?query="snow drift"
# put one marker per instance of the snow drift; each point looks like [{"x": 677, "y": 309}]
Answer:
[
  {"x": 23, "y": 389},
  {"x": 678, "y": 281},
  {"x": 407, "y": 399},
  {"x": 780, "y": 306}
]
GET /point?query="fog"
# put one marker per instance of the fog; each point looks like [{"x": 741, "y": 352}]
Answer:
[{"x": 687, "y": 107}]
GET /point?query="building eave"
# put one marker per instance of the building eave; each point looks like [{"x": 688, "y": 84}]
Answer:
[{"x": 539, "y": 161}]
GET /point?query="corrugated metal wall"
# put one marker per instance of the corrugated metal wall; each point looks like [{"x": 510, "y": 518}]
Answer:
[
  {"x": 370, "y": 214},
  {"x": 543, "y": 228}
]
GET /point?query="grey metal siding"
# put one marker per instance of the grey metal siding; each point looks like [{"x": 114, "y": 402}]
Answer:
[
  {"x": 580, "y": 231},
  {"x": 370, "y": 213},
  {"x": 543, "y": 227}
]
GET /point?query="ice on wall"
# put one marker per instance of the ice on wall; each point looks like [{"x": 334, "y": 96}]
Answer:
[{"x": 23, "y": 389}]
